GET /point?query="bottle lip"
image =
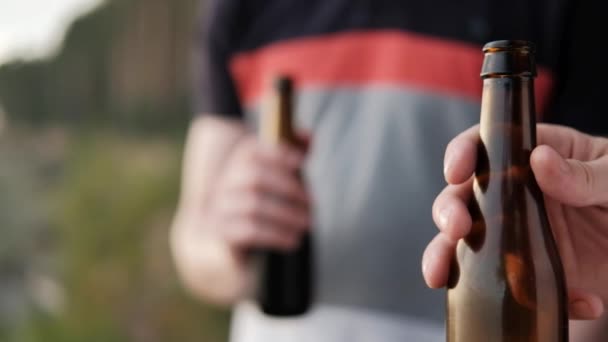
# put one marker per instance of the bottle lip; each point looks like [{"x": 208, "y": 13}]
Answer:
[
  {"x": 509, "y": 45},
  {"x": 283, "y": 83}
]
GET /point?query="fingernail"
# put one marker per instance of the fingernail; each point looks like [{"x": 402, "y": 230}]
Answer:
[
  {"x": 425, "y": 266},
  {"x": 446, "y": 167},
  {"x": 580, "y": 307},
  {"x": 444, "y": 217}
]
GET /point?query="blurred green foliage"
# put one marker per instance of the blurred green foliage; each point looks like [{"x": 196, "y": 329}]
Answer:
[
  {"x": 112, "y": 210},
  {"x": 126, "y": 64},
  {"x": 89, "y": 175}
]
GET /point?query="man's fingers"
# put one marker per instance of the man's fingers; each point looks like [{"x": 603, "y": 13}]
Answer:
[
  {"x": 570, "y": 143},
  {"x": 584, "y": 305},
  {"x": 450, "y": 211},
  {"x": 273, "y": 209},
  {"x": 271, "y": 179},
  {"x": 452, "y": 217},
  {"x": 283, "y": 156},
  {"x": 252, "y": 151},
  {"x": 305, "y": 139},
  {"x": 248, "y": 234},
  {"x": 436, "y": 261},
  {"x": 570, "y": 181},
  {"x": 460, "y": 156},
  {"x": 262, "y": 203}
]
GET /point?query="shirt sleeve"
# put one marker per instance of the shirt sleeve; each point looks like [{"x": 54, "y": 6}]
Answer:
[
  {"x": 582, "y": 87},
  {"x": 214, "y": 89}
]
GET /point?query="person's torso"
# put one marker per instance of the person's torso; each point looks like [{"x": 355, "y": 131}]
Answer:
[{"x": 383, "y": 86}]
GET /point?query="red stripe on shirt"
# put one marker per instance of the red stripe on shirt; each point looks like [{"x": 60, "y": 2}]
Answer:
[{"x": 371, "y": 58}]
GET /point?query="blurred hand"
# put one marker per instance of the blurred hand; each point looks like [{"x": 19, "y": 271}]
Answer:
[
  {"x": 571, "y": 168},
  {"x": 258, "y": 202}
]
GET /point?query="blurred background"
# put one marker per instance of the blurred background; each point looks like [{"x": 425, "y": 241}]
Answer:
[{"x": 94, "y": 105}]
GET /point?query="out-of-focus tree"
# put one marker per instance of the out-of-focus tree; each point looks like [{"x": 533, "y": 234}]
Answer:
[
  {"x": 89, "y": 170},
  {"x": 127, "y": 63}
]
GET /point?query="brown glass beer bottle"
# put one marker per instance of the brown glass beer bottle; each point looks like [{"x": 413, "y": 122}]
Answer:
[
  {"x": 284, "y": 286},
  {"x": 507, "y": 283}
]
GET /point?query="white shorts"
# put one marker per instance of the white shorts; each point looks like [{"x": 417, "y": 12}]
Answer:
[{"x": 332, "y": 324}]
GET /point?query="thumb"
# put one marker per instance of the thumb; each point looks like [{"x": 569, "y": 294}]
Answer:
[
  {"x": 570, "y": 181},
  {"x": 584, "y": 305}
]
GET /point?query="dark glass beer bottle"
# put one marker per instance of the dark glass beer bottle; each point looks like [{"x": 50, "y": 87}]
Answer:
[
  {"x": 507, "y": 282},
  {"x": 284, "y": 278}
]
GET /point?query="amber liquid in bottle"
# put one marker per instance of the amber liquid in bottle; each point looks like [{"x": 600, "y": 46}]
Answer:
[
  {"x": 507, "y": 283},
  {"x": 284, "y": 286}
]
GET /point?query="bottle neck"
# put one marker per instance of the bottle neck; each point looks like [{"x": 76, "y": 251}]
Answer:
[
  {"x": 277, "y": 119},
  {"x": 508, "y": 122}
]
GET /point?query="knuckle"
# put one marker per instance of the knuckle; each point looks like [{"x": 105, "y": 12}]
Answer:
[{"x": 438, "y": 204}]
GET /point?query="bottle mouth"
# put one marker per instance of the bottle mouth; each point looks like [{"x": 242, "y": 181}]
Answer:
[
  {"x": 283, "y": 83},
  {"x": 509, "y": 45},
  {"x": 509, "y": 58}
]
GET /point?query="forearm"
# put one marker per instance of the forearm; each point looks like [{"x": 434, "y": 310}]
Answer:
[{"x": 205, "y": 263}]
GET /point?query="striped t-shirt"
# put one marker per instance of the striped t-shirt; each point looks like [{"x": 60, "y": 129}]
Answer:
[{"x": 383, "y": 85}]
